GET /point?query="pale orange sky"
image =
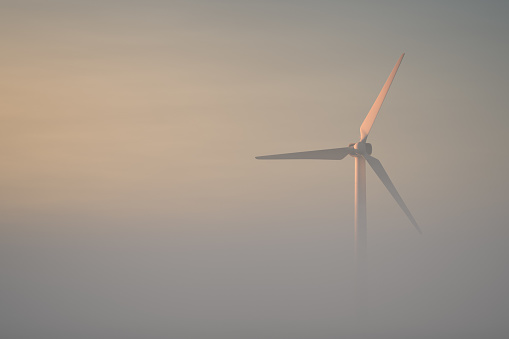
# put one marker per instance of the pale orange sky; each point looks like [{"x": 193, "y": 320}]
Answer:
[{"x": 107, "y": 103}]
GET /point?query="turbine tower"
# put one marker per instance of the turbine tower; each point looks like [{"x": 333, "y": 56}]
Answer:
[{"x": 361, "y": 152}]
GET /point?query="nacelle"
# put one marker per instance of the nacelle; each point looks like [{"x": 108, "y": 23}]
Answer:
[{"x": 362, "y": 148}]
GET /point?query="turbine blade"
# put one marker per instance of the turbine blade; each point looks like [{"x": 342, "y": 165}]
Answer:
[
  {"x": 324, "y": 154},
  {"x": 376, "y": 165},
  {"x": 370, "y": 118}
]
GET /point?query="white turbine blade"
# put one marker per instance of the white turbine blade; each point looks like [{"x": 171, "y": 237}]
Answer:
[
  {"x": 376, "y": 165},
  {"x": 324, "y": 154},
  {"x": 370, "y": 118}
]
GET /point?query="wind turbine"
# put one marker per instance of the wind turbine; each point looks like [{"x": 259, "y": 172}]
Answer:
[{"x": 361, "y": 152}]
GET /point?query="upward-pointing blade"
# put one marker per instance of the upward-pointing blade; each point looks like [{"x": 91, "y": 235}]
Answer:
[
  {"x": 376, "y": 165},
  {"x": 324, "y": 154},
  {"x": 370, "y": 118}
]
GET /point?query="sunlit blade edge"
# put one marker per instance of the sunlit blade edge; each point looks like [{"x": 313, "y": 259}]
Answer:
[{"x": 370, "y": 118}]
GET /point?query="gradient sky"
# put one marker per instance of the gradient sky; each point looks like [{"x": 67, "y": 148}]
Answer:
[{"x": 132, "y": 205}]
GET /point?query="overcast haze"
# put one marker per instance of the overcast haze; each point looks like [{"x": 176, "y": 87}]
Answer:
[{"x": 132, "y": 205}]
